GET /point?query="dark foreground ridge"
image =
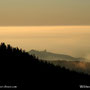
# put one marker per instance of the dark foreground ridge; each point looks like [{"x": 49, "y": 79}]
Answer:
[{"x": 18, "y": 68}]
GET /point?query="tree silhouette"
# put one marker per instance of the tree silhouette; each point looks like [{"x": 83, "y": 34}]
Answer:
[{"x": 17, "y": 67}]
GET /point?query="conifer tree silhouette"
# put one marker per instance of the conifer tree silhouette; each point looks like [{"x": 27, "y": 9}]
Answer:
[{"x": 17, "y": 67}]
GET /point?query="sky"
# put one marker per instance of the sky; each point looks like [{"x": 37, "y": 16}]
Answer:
[
  {"x": 44, "y": 12},
  {"x": 69, "y": 40},
  {"x": 60, "y": 26}
]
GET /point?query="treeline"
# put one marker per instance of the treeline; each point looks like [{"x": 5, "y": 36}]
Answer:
[{"x": 19, "y": 68}]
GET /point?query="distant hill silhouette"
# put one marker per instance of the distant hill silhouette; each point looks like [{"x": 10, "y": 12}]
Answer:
[
  {"x": 18, "y": 68},
  {"x": 44, "y": 55}
]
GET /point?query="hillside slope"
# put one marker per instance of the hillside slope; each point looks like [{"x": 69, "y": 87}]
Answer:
[{"x": 25, "y": 71}]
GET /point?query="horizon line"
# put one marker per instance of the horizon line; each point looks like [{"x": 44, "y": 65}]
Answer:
[{"x": 47, "y": 26}]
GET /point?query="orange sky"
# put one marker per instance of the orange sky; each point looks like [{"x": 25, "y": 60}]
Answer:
[
  {"x": 44, "y": 12},
  {"x": 72, "y": 40}
]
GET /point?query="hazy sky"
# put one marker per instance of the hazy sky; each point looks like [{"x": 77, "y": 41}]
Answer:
[
  {"x": 44, "y": 12},
  {"x": 71, "y": 40}
]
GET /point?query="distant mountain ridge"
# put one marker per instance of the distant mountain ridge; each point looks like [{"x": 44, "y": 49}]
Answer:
[{"x": 44, "y": 55}]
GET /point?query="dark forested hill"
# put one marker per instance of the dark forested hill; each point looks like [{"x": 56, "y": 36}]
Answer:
[{"x": 18, "y": 68}]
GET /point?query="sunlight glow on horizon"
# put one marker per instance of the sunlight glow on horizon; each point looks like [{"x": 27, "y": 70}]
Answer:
[{"x": 71, "y": 40}]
